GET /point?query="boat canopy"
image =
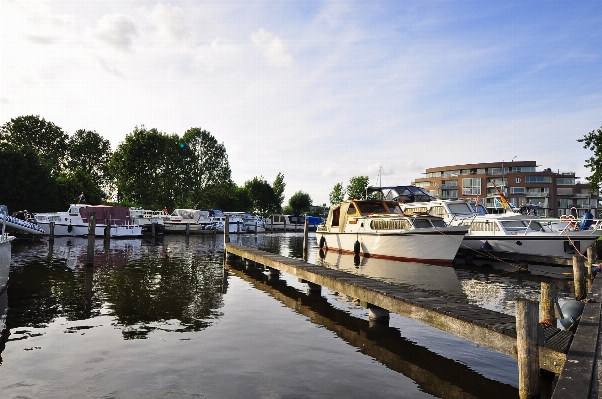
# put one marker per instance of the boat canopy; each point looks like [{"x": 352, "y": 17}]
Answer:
[
  {"x": 105, "y": 213},
  {"x": 402, "y": 193}
]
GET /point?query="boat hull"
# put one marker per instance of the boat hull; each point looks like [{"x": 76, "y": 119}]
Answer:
[
  {"x": 412, "y": 246},
  {"x": 81, "y": 229},
  {"x": 534, "y": 244},
  {"x": 181, "y": 228},
  {"x": 5, "y": 254}
]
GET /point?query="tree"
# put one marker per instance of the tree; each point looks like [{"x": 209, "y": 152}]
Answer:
[
  {"x": 262, "y": 196},
  {"x": 593, "y": 142},
  {"x": 357, "y": 187},
  {"x": 300, "y": 202},
  {"x": 337, "y": 194},
  {"x": 91, "y": 153},
  {"x": 278, "y": 188},
  {"x": 75, "y": 182},
  {"x": 209, "y": 167},
  {"x": 46, "y": 139}
]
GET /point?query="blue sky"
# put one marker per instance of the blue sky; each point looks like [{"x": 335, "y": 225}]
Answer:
[{"x": 318, "y": 90}]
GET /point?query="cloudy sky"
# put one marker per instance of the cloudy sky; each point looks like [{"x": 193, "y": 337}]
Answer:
[{"x": 318, "y": 90}]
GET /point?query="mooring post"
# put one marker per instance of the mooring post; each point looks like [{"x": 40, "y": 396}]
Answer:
[
  {"x": 527, "y": 349},
  {"x": 187, "y": 228},
  {"x": 51, "y": 233},
  {"x": 305, "y": 233},
  {"x": 108, "y": 230},
  {"x": 549, "y": 295},
  {"x": 153, "y": 232},
  {"x": 591, "y": 259},
  {"x": 91, "y": 238},
  {"x": 226, "y": 230},
  {"x": 256, "y": 227},
  {"x": 271, "y": 223},
  {"x": 579, "y": 277},
  {"x": 284, "y": 228}
]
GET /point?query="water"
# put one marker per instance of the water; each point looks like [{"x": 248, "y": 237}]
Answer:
[{"x": 169, "y": 319}]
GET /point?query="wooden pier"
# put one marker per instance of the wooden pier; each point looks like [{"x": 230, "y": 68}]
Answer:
[{"x": 484, "y": 327}]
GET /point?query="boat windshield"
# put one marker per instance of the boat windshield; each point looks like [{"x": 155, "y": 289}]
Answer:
[
  {"x": 460, "y": 209},
  {"x": 371, "y": 207}
]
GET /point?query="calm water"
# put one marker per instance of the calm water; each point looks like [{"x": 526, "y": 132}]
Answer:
[{"x": 169, "y": 319}]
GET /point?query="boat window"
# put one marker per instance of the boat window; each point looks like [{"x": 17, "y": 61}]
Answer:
[
  {"x": 460, "y": 209},
  {"x": 422, "y": 223},
  {"x": 438, "y": 211},
  {"x": 372, "y": 207},
  {"x": 482, "y": 226},
  {"x": 438, "y": 223},
  {"x": 394, "y": 208},
  {"x": 336, "y": 213},
  {"x": 396, "y": 224},
  {"x": 535, "y": 226},
  {"x": 513, "y": 225},
  {"x": 351, "y": 210}
]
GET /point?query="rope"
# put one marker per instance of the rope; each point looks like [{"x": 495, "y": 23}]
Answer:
[{"x": 573, "y": 244}]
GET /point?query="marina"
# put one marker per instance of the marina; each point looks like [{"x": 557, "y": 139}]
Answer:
[{"x": 163, "y": 302}]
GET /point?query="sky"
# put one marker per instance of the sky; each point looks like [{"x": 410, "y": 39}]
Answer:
[{"x": 320, "y": 91}]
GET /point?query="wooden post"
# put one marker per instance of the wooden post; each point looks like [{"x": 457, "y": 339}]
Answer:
[
  {"x": 284, "y": 228},
  {"x": 549, "y": 294},
  {"x": 226, "y": 230},
  {"x": 527, "y": 349},
  {"x": 305, "y": 246},
  {"x": 108, "y": 230},
  {"x": 271, "y": 223},
  {"x": 256, "y": 227},
  {"x": 591, "y": 259},
  {"x": 153, "y": 230},
  {"x": 91, "y": 238},
  {"x": 579, "y": 277},
  {"x": 51, "y": 234},
  {"x": 187, "y": 228}
]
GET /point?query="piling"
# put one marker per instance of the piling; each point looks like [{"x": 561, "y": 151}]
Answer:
[
  {"x": 549, "y": 297},
  {"x": 226, "y": 230},
  {"x": 187, "y": 229},
  {"x": 305, "y": 232},
  {"x": 108, "y": 230},
  {"x": 527, "y": 348},
  {"x": 272, "y": 224},
  {"x": 91, "y": 238},
  {"x": 51, "y": 234},
  {"x": 256, "y": 227},
  {"x": 284, "y": 228},
  {"x": 579, "y": 277},
  {"x": 591, "y": 259},
  {"x": 153, "y": 229}
]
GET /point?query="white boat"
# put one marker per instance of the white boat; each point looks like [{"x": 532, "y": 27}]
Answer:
[
  {"x": 239, "y": 222},
  {"x": 17, "y": 225},
  {"x": 250, "y": 223},
  {"x": 147, "y": 219},
  {"x": 379, "y": 229},
  {"x": 191, "y": 221},
  {"x": 513, "y": 234},
  {"x": 5, "y": 250},
  {"x": 278, "y": 222},
  {"x": 74, "y": 222}
]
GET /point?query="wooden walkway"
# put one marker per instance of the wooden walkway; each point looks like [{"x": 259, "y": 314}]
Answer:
[{"x": 484, "y": 327}]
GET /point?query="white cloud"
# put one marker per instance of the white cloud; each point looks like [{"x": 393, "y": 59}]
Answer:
[
  {"x": 171, "y": 24},
  {"x": 272, "y": 48},
  {"x": 117, "y": 30}
]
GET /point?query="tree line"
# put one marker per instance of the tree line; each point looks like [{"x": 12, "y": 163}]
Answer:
[{"x": 44, "y": 169}]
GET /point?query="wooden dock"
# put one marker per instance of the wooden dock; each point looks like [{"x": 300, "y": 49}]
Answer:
[{"x": 484, "y": 327}]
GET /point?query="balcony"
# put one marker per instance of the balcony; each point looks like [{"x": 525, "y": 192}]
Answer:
[{"x": 448, "y": 186}]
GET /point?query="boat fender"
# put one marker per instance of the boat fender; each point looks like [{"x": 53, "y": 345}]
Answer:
[
  {"x": 322, "y": 254},
  {"x": 356, "y": 260},
  {"x": 571, "y": 314},
  {"x": 322, "y": 242},
  {"x": 356, "y": 247},
  {"x": 486, "y": 246},
  {"x": 69, "y": 228}
]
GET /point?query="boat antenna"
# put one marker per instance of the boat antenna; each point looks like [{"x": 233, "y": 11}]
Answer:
[{"x": 380, "y": 181}]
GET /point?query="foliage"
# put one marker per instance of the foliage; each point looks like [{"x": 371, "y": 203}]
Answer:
[
  {"x": 73, "y": 183},
  {"x": 92, "y": 154},
  {"x": 300, "y": 202},
  {"x": 26, "y": 182},
  {"x": 356, "y": 189},
  {"x": 278, "y": 188},
  {"x": 593, "y": 142},
  {"x": 337, "y": 194},
  {"x": 264, "y": 200}
]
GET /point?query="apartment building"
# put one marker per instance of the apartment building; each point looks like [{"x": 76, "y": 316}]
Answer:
[{"x": 523, "y": 183}]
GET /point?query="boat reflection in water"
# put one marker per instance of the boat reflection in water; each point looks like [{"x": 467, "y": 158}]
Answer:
[{"x": 420, "y": 276}]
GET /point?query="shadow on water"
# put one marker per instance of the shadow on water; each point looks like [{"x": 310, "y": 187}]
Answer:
[{"x": 434, "y": 374}]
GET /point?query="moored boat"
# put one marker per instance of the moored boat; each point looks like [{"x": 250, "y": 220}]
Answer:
[
  {"x": 5, "y": 250},
  {"x": 191, "y": 221},
  {"x": 379, "y": 229},
  {"x": 74, "y": 222}
]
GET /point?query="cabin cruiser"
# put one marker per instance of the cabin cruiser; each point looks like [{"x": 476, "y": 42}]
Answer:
[
  {"x": 509, "y": 234},
  {"x": 5, "y": 250},
  {"x": 147, "y": 219},
  {"x": 279, "y": 222},
  {"x": 379, "y": 229},
  {"x": 74, "y": 222},
  {"x": 192, "y": 221}
]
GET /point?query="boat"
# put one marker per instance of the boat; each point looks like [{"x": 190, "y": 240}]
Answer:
[
  {"x": 379, "y": 229},
  {"x": 280, "y": 222},
  {"x": 22, "y": 225},
  {"x": 512, "y": 234},
  {"x": 191, "y": 221},
  {"x": 241, "y": 222},
  {"x": 5, "y": 249},
  {"x": 147, "y": 219},
  {"x": 74, "y": 222}
]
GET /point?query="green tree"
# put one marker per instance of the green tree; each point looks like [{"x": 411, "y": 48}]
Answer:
[
  {"x": 300, "y": 202},
  {"x": 337, "y": 194},
  {"x": 46, "y": 139},
  {"x": 26, "y": 183},
  {"x": 153, "y": 169},
  {"x": 356, "y": 189},
  {"x": 278, "y": 188},
  {"x": 90, "y": 152},
  {"x": 262, "y": 196},
  {"x": 74, "y": 182},
  {"x": 209, "y": 167},
  {"x": 593, "y": 142}
]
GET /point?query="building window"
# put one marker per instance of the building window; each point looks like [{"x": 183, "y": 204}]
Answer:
[
  {"x": 517, "y": 190},
  {"x": 523, "y": 169},
  {"x": 471, "y": 186},
  {"x": 517, "y": 180},
  {"x": 565, "y": 180},
  {"x": 481, "y": 171},
  {"x": 433, "y": 174},
  {"x": 423, "y": 184},
  {"x": 538, "y": 179}
]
